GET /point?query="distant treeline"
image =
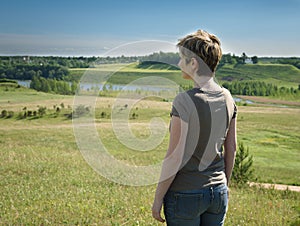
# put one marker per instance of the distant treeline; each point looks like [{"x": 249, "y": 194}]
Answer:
[
  {"x": 258, "y": 88},
  {"x": 53, "y": 86},
  {"x": 26, "y": 67},
  {"x": 27, "y": 72},
  {"x": 68, "y": 62}
]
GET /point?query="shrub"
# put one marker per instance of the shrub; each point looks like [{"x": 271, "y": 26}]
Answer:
[
  {"x": 29, "y": 113},
  {"x": 242, "y": 171},
  {"x": 80, "y": 111},
  {"x": 103, "y": 114},
  {"x": 10, "y": 114},
  {"x": 42, "y": 111},
  {"x": 134, "y": 115},
  {"x": 3, "y": 113}
]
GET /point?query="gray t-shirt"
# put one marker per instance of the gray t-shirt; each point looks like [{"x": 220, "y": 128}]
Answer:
[{"x": 206, "y": 114}]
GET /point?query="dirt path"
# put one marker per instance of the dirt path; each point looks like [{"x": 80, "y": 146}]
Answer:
[{"x": 281, "y": 187}]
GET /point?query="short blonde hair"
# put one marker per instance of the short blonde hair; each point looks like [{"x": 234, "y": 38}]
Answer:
[{"x": 204, "y": 45}]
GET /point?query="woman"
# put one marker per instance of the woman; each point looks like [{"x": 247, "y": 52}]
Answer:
[{"x": 196, "y": 171}]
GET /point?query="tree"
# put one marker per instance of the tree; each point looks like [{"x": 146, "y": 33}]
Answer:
[
  {"x": 73, "y": 87},
  {"x": 242, "y": 171},
  {"x": 244, "y": 57},
  {"x": 35, "y": 83},
  {"x": 45, "y": 87},
  {"x": 31, "y": 73},
  {"x": 66, "y": 88},
  {"x": 254, "y": 59},
  {"x": 52, "y": 83},
  {"x": 2, "y": 75}
]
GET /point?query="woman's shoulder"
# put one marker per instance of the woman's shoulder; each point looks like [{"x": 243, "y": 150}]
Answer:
[
  {"x": 226, "y": 91},
  {"x": 183, "y": 95}
]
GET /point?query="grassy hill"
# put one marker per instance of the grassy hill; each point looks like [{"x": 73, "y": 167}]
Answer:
[
  {"x": 126, "y": 73},
  {"x": 13, "y": 95},
  {"x": 278, "y": 74}
]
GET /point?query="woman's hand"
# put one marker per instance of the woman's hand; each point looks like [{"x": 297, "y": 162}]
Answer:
[{"x": 156, "y": 211}]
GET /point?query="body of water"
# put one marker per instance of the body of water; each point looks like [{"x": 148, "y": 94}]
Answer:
[
  {"x": 236, "y": 99},
  {"x": 25, "y": 83},
  {"x": 92, "y": 86},
  {"x": 95, "y": 86}
]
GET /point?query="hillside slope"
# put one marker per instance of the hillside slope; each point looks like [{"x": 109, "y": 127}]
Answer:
[
  {"x": 271, "y": 73},
  {"x": 280, "y": 72}
]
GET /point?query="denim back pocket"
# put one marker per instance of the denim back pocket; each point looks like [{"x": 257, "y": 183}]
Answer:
[
  {"x": 220, "y": 201},
  {"x": 223, "y": 201},
  {"x": 188, "y": 206}
]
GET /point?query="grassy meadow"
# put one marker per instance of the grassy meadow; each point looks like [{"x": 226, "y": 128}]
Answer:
[
  {"x": 45, "y": 180},
  {"x": 277, "y": 74}
]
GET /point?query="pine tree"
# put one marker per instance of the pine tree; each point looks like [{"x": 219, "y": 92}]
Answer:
[{"x": 242, "y": 171}]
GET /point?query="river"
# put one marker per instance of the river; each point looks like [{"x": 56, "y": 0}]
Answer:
[{"x": 90, "y": 86}]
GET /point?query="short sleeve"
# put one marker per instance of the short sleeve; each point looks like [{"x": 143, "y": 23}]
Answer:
[
  {"x": 234, "y": 112},
  {"x": 174, "y": 112},
  {"x": 180, "y": 106}
]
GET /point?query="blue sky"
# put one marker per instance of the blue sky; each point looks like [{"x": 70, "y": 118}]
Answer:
[{"x": 91, "y": 27}]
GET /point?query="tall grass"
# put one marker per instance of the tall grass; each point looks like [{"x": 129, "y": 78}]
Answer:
[
  {"x": 272, "y": 135},
  {"x": 44, "y": 179}
]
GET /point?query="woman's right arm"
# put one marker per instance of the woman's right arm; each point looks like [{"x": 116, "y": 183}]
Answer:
[
  {"x": 171, "y": 164},
  {"x": 230, "y": 149}
]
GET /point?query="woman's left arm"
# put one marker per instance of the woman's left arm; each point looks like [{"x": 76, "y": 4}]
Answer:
[{"x": 171, "y": 164}]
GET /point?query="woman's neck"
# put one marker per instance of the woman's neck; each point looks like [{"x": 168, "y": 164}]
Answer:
[{"x": 206, "y": 83}]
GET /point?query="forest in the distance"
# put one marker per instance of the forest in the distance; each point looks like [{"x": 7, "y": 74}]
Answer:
[
  {"x": 243, "y": 75},
  {"x": 25, "y": 67}
]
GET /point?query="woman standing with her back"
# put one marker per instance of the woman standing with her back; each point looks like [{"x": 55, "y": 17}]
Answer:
[{"x": 196, "y": 170}]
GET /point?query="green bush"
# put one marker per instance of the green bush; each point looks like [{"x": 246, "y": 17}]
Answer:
[
  {"x": 10, "y": 114},
  {"x": 80, "y": 111},
  {"x": 243, "y": 169},
  {"x": 3, "y": 113},
  {"x": 42, "y": 111}
]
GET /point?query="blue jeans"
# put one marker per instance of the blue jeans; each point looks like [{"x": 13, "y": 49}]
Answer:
[{"x": 206, "y": 207}]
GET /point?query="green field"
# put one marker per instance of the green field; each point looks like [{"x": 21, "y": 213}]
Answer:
[
  {"x": 125, "y": 73},
  {"x": 46, "y": 181},
  {"x": 277, "y": 74}
]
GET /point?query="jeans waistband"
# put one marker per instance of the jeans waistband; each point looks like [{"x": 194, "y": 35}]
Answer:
[{"x": 207, "y": 188}]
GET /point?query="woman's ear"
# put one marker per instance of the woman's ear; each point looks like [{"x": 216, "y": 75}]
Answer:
[{"x": 194, "y": 64}]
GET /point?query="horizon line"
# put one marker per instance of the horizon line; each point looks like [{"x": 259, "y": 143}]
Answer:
[{"x": 115, "y": 56}]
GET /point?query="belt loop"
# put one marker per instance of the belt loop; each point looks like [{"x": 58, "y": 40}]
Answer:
[{"x": 212, "y": 193}]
